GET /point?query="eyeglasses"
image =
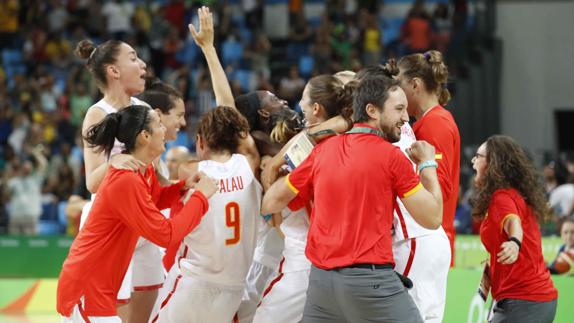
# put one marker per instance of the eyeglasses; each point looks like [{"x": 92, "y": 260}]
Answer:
[{"x": 477, "y": 155}]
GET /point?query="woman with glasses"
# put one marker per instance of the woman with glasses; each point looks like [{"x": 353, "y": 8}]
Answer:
[{"x": 510, "y": 200}]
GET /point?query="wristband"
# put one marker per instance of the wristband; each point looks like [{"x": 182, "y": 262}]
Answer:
[
  {"x": 267, "y": 217},
  {"x": 428, "y": 163},
  {"x": 515, "y": 240}
]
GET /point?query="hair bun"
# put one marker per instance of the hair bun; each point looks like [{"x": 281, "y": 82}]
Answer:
[{"x": 84, "y": 49}]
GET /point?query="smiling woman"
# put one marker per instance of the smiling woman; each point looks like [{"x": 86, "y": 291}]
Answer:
[{"x": 99, "y": 257}]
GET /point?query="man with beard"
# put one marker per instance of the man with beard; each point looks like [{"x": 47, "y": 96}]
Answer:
[{"x": 354, "y": 191}]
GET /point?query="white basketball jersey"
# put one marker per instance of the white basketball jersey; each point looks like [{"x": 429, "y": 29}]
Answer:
[
  {"x": 220, "y": 249},
  {"x": 404, "y": 225},
  {"x": 269, "y": 246},
  {"x": 295, "y": 227}
]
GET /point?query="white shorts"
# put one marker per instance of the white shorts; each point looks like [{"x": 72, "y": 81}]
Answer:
[
  {"x": 148, "y": 272},
  {"x": 258, "y": 278},
  {"x": 427, "y": 266},
  {"x": 188, "y": 299},
  {"x": 284, "y": 298},
  {"x": 144, "y": 273},
  {"x": 78, "y": 316},
  {"x": 85, "y": 211}
]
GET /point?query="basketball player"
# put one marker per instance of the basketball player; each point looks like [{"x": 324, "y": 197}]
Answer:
[
  {"x": 424, "y": 77},
  {"x": 100, "y": 255},
  {"x": 324, "y": 97},
  {"x": 206, "y": 282},
  {"x": 119, "y": 74}
]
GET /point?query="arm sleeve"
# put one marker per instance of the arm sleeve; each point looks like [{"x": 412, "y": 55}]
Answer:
[
  {"x": 441, "y": 138},
  {"x": 168, "y": 195},
  {"x": 404, "y": 180},
  {"x": 139, "y": 212},
  {"x": 300, "y": 181}
]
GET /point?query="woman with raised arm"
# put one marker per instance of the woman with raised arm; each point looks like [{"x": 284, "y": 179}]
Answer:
[
  {"x": 206, "y": 282},
  {"x": 92, "y": 273}
]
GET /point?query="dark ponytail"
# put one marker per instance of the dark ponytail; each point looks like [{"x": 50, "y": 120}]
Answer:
[{"x": 125, "y": 125}]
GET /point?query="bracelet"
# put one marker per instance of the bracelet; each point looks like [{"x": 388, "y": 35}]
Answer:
[
  {"x": 428, "y": 163},
  {"x": 267, "y": 217},
  {"x": 515, "y": 240}
]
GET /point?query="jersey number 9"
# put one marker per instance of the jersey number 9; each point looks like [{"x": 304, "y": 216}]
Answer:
[{"x": 232, "y": 220}]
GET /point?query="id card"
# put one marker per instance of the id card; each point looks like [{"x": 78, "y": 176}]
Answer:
[{"x": 299, "y": 150}]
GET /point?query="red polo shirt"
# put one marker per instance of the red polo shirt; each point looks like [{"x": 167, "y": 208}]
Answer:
[
  {"x": 438, "y": 128},
  {"x": 527, "y": 278},
  {"x": 125, "y": 208},
  {"x": 354, "y": 180}
]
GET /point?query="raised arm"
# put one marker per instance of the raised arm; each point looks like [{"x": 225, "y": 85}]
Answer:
[
  {"x": 223, "y": 95},
  {"x": 204, "y": 39}
]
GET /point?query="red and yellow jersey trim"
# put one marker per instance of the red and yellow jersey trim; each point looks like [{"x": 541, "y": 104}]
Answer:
[
  {"x": 291, "y": 187},
  {"x": 413, "y": 190}
]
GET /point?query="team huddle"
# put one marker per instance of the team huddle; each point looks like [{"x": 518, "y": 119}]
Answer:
[{"x": 361, "y": 230}]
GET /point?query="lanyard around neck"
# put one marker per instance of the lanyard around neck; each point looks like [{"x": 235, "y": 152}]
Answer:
[{"x": 366, "y": 130}]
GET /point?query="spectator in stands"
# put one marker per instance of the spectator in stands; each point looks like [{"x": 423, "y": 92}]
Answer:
[
  {"x": 174, "y": 157},
  {"x": 566, "y": 251},
  {"x": 416, "y": 30},
  {"x": 24, "y": 190},
  {"x": 80, "y": 101},
  {"x": 322, "y": 51},
  {"x": 511, "y": 201},
  {"x": 372, "y": 41},
  {"x": 561, "y": 197},
  {"x": 291, "y": 86},
  {"x": 8, "y": 23},
  {"x": 118, "y": 14},
  {"x": 442, "y": 27},
  {"x": 259, "y": 55}
]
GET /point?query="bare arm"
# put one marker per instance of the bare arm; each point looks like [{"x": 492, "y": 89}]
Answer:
[
  {"x": 95, "y": 163},
  {"x": 337, "y": 124},
  {"x": 221, "y": 88},
  {"x": 277, "y": 197},
  {"x": 204, "y": 39},
  {"x": 509, "y": 250}
]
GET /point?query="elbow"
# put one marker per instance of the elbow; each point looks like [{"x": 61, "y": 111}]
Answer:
[
  {"x": 269, "y": 205},
  {"x": 436, "y": 220},
  {"x": 91, "y": 186}
]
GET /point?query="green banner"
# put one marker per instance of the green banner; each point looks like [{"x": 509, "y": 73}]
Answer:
[{"x": 33, "y": 257}]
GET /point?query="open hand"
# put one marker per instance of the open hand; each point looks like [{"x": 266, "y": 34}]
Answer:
[
  {"x": 508, "y": 253},
  {"x": 204, "y": 37},
  {"x": 125, "y": 161}
]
